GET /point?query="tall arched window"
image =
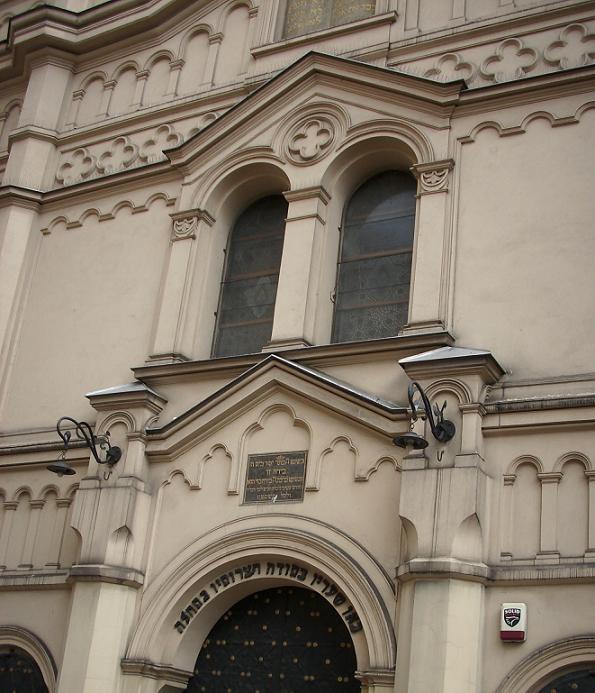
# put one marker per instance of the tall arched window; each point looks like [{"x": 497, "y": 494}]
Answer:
[
  {"x": 374, "y": 272},
  {"x": 249, "y": 288}
]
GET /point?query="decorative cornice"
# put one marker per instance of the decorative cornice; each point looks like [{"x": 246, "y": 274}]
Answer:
[
  {"x": 492, "y": 575},
  {"x": 370, "y": 677},
  {"x": 307, "y": 194},
  {"x": 550, "y": 477},
  {"x": 20, "y": 197},
  {"x": 118, "y": 575},
  {"x": 316, "y": 356},
  {"x": 151, "y": 670},
  {"x": 453, "y": 361},
  {"x": 34, "y": 132}
]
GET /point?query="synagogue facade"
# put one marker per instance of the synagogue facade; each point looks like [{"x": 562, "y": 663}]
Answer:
[{"x": 312, "y": 284}]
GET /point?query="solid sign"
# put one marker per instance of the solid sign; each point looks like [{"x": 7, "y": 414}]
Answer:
[{"x": 513, "y": 622}]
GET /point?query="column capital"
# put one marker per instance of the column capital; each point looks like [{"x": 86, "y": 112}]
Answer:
[
  {"x": 433, "y": 176},
  {"x": 185, "y": 223},
  {"x": 550, "y": 477}
]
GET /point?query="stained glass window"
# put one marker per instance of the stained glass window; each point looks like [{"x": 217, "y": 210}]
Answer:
[
  {"x": 306, "y": 16},
  {"x": 374, "y": 272},
  {"x": 249, "y": 288}
]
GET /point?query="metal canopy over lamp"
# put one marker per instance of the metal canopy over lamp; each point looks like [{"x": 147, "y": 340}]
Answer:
[
  {"x": 442, "y": 429},
  {"x": 84, "y": 432}
]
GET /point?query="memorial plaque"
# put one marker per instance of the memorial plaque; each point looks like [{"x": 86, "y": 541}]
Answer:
[{"x": 275, "y": 477}]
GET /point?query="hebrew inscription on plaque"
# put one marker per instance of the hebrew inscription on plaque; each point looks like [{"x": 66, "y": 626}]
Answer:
[{"x": 275, "y": 477}]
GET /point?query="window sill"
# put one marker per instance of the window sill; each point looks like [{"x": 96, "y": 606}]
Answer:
[
  {"x": 315, "y": 356},
  {"x": 332, "y": 32}
]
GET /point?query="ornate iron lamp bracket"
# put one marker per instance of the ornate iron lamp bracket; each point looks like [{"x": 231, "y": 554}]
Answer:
[
  {"x": 94, "y": 442},
  {"x": 442, "y": 429}
]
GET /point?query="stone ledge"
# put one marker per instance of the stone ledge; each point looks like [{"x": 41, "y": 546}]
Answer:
[
  {"x": 451, "y": 568},
  {"x": 117, "y": 575},
  {"x": 155, "y": 671}
]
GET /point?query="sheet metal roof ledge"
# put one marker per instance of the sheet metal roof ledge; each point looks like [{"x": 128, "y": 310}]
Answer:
[
  {"x": 453, "y": 362},
  {"x": 130, "y": 395}
]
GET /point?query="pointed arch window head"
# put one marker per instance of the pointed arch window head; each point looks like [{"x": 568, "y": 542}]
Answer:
[
  {"x": 374, "y": 272},
  {"x": 249, "y": 287}
]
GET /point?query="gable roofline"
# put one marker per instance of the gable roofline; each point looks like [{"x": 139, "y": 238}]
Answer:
[
  {"x": 440, "y": 95},
  {"x": 337, "y": 386}
]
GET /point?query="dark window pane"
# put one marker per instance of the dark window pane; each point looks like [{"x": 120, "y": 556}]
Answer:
[
  {"x": 305, "y": 16},
  {"x": 374, "y": 271},
  {"x": 247, "y": 301}
]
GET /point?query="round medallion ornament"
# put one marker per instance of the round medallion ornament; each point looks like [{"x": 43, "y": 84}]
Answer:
[{"x": 310, "y": 140}]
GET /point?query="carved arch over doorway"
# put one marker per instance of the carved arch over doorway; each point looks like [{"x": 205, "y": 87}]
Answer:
[
  {"x": 549, "y": 662},
  {"x": 288, "y": 550}
]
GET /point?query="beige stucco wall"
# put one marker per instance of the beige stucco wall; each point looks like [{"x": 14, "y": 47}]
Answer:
[{"x": 111, "y": 258}]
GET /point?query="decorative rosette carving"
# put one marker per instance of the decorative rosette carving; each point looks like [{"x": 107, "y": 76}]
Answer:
[
  {"x": 310, "y": 140},
  {"x": 512, "y": 60},
  {"x": 122, "y": 154},
  {"x": 451, "y": 67},
  {"x": 574, "y": 48},
  {"x": 77, "y": 167}
]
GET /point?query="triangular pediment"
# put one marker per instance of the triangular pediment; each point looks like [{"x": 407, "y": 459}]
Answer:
[
  {"x": 271, "y": 379},
  {"x": 363, "y": 92}
]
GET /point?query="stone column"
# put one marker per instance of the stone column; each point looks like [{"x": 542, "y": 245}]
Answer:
[
  {"x": 112, "y": 518},
  {"x": 9, "y": 512},
  {"x": 506, "y": 524},
  {"x": 31, "y": 155},
  {"x": 58, "y": 532},
  {"x": 215, "y": 41},
  {"x": 139, "y": 90},
  {"x": 444, "y": 628},
  {"x": 426, "y": 313},
  {"x": 548, "y": 550},
  {"x": 73, "y": 111},
  {"x": 590, "y": 553},
  {"x": 108, "y": 91},
  {"x": 26, "y": 562},
  {"x": 101, "y": 616},
  {"x": 175, "y": 70},
  {"x": 168, "y": 333},
  {"x": 295, "y": 305}
]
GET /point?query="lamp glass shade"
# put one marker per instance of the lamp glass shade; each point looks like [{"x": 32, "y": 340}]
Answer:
[
  {"x": 61, "y": 468},
  {"x": 411, "y": 440}
]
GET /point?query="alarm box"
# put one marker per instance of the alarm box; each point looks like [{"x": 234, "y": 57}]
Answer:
[{"x": 513, "y": 622}]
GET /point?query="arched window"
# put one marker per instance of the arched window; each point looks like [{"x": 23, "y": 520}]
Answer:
[
  {"x": 19, "y": 672},
  {"x": 306, "y": 16},
  {"x": 374, "y": 272},
  {"x": 249, "y": 288}
]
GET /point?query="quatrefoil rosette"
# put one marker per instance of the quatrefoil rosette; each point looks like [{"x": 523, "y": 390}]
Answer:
[{"x": 310, "y": 140}]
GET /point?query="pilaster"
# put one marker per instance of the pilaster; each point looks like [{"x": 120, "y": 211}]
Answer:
[
  {"x": 187, "y": 227},
  {"x": 295, "y": 305},
  {"x": 112, "y": 517},
  {"x": 425, "y": 309}
]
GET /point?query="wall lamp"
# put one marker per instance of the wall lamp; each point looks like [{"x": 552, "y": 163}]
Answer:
[
  {"x": 84, "y": 432},
  {"x": 442, "y": 429}
]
